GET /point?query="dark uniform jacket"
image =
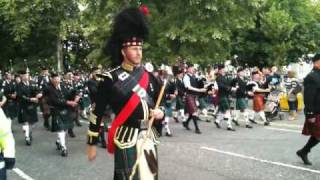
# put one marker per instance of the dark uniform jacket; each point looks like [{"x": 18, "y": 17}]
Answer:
[
  {"x": 62, "y": 118},
  {"x": 242, "y": 90},
  {"x": 223, "y": 85},
  {"x": 28, "y": 109},
  {"x": 9, "y": 108},
  {"x": 116, "y": 90},
  {"x": 312, "y": 93}
]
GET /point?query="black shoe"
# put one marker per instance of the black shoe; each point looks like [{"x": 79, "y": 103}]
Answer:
[
  {"x": 207, "y": 120},
  {"x": 185, "y": 125},
  {"x": 267, "y": 123},
  {"x": 230, "y": 129},
  {"x": 253, "y": 121},
  {"x": 198, "y": 131},
  {"x": 217, "y": 125},
  {"x": 64, "y": 152},
  {"x": 169, "y": 135},
  {"x": 71, "y": 133},
  {"x": 59, "y": 147},
  {"x": 176, "y": 119},
  {"x": 248, "y": 126},
  {"x": 304, "y": 157},
  {"x": 28, "y": 141},
  {"x": 235, "y": 122}
]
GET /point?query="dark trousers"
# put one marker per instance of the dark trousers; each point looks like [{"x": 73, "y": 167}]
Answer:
[{"x": 195, "y": 121}]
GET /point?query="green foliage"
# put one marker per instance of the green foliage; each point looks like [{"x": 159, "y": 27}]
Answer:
[{"x": 259, "y": 32}]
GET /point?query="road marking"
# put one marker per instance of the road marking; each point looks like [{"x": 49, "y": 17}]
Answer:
[
  {"x": 285, "y": 130},
  {"x": 273, "y": 123},
  {"x": 261, "y": 160},
  {"x": 287, "y": 125},
  {"x": 22, "y": 174}
]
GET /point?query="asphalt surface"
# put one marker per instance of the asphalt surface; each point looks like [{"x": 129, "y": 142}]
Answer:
[{"x": 261, "y": 153}]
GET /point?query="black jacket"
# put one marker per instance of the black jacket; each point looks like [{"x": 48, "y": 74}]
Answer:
[{"x": 312, "y": 93}]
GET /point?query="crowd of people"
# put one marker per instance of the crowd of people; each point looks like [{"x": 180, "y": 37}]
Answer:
[{"x": 212, "y": 92}]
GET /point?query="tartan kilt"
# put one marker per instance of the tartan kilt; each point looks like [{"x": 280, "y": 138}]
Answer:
[
  {"x": 241, "y": 104},
  {"x": 168, "y": 108},
  {"x": 10, "y": 109},
  {"x": 191, "y": 106},
  {"x": 124, "y": 160},
  {"x": 179, "y": 103},
  {"x": 29, "y": 114},
  {"x": 224, "y": 104},
  {"x": 312, "y": 129},
  {"x": 61, "y": 120},
  {"x": 258, "y": 102},
  {"x": 85, "y": 102}
]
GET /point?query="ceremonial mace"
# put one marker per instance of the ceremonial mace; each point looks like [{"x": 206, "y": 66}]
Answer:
[{"x": 150, "y": 122}]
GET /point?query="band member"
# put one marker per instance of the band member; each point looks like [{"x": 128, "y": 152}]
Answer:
[
  {"x": 171, "y": 94},
  {"x": 28, "y": 96},
  {"x": 43, "y": 82},
  {"x": 241, "y": 97},
  {"x": 258, "y": 97},
  {"x": 7, "y": 146},
  {"x": 72, "y": 95},
  {"x": 61, "y": 114},
  {"x": 312, "y": 110},
  {"x": 224, "y": 92},
  {"x": 180, "y": 105},
  {"x": 131, "y": 92},
  {"x": 9, "y": 91},
  {"x": 191, "y": 84}
]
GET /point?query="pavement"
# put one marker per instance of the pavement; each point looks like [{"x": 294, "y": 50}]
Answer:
[{"x": 260, "y": 153}]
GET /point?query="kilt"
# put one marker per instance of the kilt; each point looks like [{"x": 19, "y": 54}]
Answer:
[
  {"x": 179, "y": 103},
  {"x": 202, "y": 102},
  {"x": 10, "y": 109},
  {"x": 29, "y": 114},
  {"x": 224, "y": 104},
  {"x": 61, "y": 120},
  {"x": 85, "y": 102},
  {"x": 241, "y": 104},
  {"x": 168, "y": 108},
  {"x": 258, "y": 102},
  {"x": 124, "y": 160},
  {"x": 312, "y": 129},
  {"x": 191, "y": 106}
]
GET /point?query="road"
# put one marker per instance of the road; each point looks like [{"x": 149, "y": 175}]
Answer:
[{"x": 261, "y": 153}]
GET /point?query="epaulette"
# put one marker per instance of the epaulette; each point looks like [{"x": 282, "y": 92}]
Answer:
[{"x": 107, "y": 74}]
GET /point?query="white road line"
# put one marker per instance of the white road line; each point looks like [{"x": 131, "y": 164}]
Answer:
[
  {"x": 285, "y": 130},
  {"x": 287, "y": 125},
  {"x": 273, "y": 123},
  {"x": 22, "y": 174},
  {"x": 261, "y": 160}
]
